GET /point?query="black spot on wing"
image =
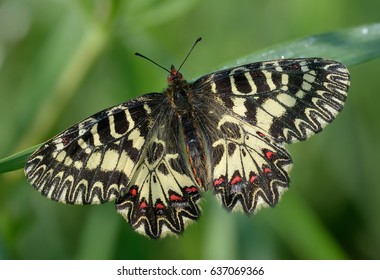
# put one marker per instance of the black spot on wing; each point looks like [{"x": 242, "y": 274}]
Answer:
[
  {"x": 231, "y": 130},
  {"x": 241, "y": 82},
  {"x": 260, "y": 81},
  {"x": 121, "y": 123}
]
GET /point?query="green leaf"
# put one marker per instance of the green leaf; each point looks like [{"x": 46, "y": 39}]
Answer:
[
  {"x": 350, "y": 46},
  {"x": 16, "y": 161}
]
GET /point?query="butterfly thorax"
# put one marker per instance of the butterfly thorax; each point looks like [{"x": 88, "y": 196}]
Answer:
[{"x": 179, "y": 93}]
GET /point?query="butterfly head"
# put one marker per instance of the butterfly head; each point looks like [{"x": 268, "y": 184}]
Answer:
[{"x": 175, "y": 76}]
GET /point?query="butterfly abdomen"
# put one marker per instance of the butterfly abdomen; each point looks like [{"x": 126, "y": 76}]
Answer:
[
  {"x": 195, "y": 150},
  {"x": 181, "y": 101}
]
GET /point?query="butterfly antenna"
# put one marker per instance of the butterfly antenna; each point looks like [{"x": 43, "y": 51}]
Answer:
[
  {"x": 166, "y": 69},
  {"x": 195, "y": 43},
  {"x": 155, "y": 63}
]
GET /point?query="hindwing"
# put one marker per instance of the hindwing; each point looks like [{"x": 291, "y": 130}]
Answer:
[
  {"x": 162, "y": 196},
  {"x": 250, "y": 170}
]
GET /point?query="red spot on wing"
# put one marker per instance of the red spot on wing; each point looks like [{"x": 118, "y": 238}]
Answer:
[
  {"x": 260, "y": 134},
  {"x": 235, "y": 180},
  {"x": 174, "y": 197},
  {"x": 218, "y": 182},
  {"x": 269, "y": 154},
  {"x": 65, "y": 140},
  {"x": 267, "y": 170},
  {"x": 160, "y": 206},
  {"x": 133, "y": 192},
  {"x": 143, "y": 205},
  {"x": 191, "y": 189},
  {"x": 253, "y": 179}
]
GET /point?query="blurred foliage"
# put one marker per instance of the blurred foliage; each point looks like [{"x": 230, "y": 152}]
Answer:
[{"x": 61, "y": 61}]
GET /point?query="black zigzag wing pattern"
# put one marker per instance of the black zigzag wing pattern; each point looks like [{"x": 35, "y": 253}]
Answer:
[
  {"x": 93, "y": 161},
  {"x": 249, "y": 169},
  {"x": 127, "y": 153},
  {"x": 256, "y": 109},
  {"x": 163, "y": 196},
  {"x": 291, "y": 99}
]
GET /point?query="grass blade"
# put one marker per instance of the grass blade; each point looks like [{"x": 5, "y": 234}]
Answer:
[{"x": 16, "y": 161}]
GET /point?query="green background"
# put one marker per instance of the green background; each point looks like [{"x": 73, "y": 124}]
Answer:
[{"x": 61, "y": 61}]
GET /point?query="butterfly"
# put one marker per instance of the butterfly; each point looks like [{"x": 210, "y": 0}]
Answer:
[{"x": 225, "y": 132}]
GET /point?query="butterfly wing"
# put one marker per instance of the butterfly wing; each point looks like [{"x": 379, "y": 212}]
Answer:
[
  {"x": 291, "y": 99},
  {"x": 128, "y": 153},
  {"x": 163, "y": 195},
  {"x": 135, "y": 153},
  {"x": 93, "y": 161},
  {"x": 248, "y": 168},
  {"x": 257, "y": 108}
]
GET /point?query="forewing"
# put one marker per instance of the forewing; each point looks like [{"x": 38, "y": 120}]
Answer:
[
  {"x": 289, "y": 99},
  {"x": 163, "y": 195},
  {"x": 93, "y": 161}
]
